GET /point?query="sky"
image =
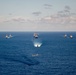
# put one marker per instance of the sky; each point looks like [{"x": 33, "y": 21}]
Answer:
[{"x": 37, "y": 15}]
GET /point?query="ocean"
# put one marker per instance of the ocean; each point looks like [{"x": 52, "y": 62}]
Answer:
[{"x": 55, "y": 55}]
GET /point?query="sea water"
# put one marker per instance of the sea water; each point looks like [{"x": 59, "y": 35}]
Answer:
[{"x": 55, "y": 56}]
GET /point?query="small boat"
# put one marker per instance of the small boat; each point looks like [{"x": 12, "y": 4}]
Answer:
[
  {"x": 35, "y": 35},
  {"x": 10, "y": 36},
  {"x": 65, "y": 36},
  {"x": 7, "y": 37},
  {"x": 34, "y": 55},
  {"x": 71, "y": 36}
]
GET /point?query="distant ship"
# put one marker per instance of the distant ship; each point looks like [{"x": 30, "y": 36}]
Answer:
[
  {"x": 35, "y": 35},
  {"x": 34, "y": 55},
  {"x": 36, "y": 40},
  {"x": 65, "y": 36},
  {"x": 71, "y": 36},
  {"x": 8, "y": 36}
]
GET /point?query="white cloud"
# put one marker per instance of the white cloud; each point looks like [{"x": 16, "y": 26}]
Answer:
[
  {"x": 19, "y": 19},
  {"x": 61, "y": 17},
  {"x": 56, "y": 19},
  {"x": 13, "y": 19}
]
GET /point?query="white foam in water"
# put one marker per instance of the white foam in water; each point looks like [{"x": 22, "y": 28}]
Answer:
[
  {"x": 34, "y": 55},
  {"x": 36, "y": 44}
]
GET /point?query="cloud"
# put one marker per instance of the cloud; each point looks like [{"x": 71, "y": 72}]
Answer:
[
  {"x": 36, "y": 13},
  {"x": 18, "y": 19},
  {"x": 13, "y": 19},
  {"x": 2, "y": 19},
  {"x": 60, "y": 18},
  {"x": 10, "y": 14},
  {"x": 47, "y": 6},
  {"x": 65, "y": 13},
  {"x": 67, "y": 9},
  {"x": 64, "y": 16}
]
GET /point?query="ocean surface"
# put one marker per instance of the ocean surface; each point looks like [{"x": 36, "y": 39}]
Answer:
[{"x": 56, "y": 55}]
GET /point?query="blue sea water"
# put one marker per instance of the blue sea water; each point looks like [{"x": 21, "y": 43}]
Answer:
[{"x": 56, "y": 55}]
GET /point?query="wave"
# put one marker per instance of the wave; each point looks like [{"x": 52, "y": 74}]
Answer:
[{"x": 22, "y": 59}]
